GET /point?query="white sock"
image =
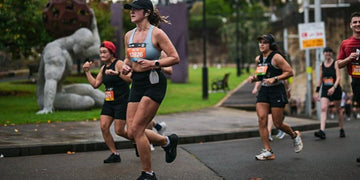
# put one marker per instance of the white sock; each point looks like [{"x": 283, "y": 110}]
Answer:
[
  {"x": 150, "y": 173},
  {"x": 167, "y": 142}
]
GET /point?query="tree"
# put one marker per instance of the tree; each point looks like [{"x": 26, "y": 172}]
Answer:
[
  {"x": 103, "y": 18},
  {"x": 21, "y": 27},
  {"x": 217, "y": 12},
  {"x": 221, "y": 26}
]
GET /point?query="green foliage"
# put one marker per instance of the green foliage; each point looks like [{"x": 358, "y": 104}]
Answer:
[
  {"x": 221, "y": 23},
  {"x": 217, "y": 11},
  {"x": 218, "y": 7},
  {"x": 252, "y": 23},
  {"x": 103, "y": 19},
  {"x": 21, "y": 27},
  {"x": 213, "y": 24},
  {"x": 19, "y": 105},
  {"x": 213, "y": 7}
]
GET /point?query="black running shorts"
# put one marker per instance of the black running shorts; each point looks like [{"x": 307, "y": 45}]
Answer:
[
  {"x": 115, "y": 110},
  {"x": 355, "y": 84},
  {"x": 335, "y": 97},
  {"x": 141, "y": 86},
  {"x": 273, "y": 95}
]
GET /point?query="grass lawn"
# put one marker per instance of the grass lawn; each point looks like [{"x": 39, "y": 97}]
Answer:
[{"x": 18, "y": 99}]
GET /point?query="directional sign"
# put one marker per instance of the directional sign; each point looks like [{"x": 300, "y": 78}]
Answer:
[{"x": 312, "y": 35}]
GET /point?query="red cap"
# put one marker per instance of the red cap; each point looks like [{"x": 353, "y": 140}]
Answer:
[{"x": 109, "y": 45}]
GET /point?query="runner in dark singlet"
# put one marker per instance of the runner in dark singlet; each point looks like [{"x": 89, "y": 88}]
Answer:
[
  {"x": 331, "y": 91},
  {"x": 271, "y": 70}
]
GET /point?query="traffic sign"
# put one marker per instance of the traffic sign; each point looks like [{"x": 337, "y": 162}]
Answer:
[{"x": 312, "y": 35}]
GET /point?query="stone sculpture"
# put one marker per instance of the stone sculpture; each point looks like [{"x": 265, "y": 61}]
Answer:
[{"x": 56, "y": 62}]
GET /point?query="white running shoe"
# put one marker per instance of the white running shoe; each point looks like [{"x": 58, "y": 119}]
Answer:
[
  {"x": 265, "y": 155},
  {"x": 281, "y": 134},
  {"x": 163, "y": 128},
  {"x": 298, "y": 145},
  {"x": 152, "y": 147},
  {"x": 332, "y": 116},
  {"x": 270, "y": 138}
]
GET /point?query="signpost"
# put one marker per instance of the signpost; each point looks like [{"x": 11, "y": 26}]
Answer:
[{"x": 311, "y": 36}]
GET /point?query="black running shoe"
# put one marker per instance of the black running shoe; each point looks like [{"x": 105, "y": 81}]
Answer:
[
  {"x": 136, "y": 151},
  {"x": 342, "y": 133},
  {"x": 113, "y": 158},
  {"x": 171, "y": 148},
  {"x": 146, "y": 176},
  {"x": 320, "y": 134}
]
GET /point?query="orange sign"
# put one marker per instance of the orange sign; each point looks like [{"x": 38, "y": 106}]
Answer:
[
  {"x": 312, "y": 35},
  {"x": 309, "y": 43}
]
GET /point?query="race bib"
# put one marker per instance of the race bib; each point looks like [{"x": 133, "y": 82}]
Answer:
[
  {"x": 136, "y": 51},
  {"x": 328, "y": 81},
  {"x": 154, "y": 77},
  {"x": 109, "y": 95},
  {"x": 261, "y": 70},
  {"x": 355, "y": 70}
]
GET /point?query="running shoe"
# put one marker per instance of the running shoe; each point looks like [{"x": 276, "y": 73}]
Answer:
[
  {"x": 342, "y": 133},
  {"x": 281, "y": 134},
  {"x": 358, "y": 159},
  {"x": 152, "y": 147},
  {"x": 332, "y": 116},
  {"x": 348, "y": 118},
  {"x": 171, "y": 148},
  {"x": 113, "y": 158},
  {"x": 163, "y": 128},
  {"x": 320, "y": 134},
  {"x": 146, "y": 176},
  {"x": 265, "y": 155},
  {"x": 270, "y": 138},
  {"x": 298, "y": 145}
]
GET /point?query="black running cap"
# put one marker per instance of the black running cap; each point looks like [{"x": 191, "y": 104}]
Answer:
[
  {"x": 140, "y": 4},
  {"x": 267, "y": 37},
  {"x": 328, "y": 49}
]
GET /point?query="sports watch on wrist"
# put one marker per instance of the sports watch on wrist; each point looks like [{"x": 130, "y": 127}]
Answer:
[{"x": 157, "y": 64}]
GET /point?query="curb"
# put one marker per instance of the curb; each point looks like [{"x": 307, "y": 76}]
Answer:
[{"x": 100, "y": 146}]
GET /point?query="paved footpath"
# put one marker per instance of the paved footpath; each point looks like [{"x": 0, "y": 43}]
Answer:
[{"x": 212, "y": 124}]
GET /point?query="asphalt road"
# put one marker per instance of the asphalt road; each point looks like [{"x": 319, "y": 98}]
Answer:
[{"x": 333, "y": 158}]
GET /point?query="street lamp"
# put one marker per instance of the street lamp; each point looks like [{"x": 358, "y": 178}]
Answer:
[
  {"x": 237, "y": 59},
  {"x": 204, "y": 69}
]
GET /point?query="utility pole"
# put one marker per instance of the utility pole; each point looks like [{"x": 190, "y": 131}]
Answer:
[
  {"x": 308, "y": 101},
  {"x": 319, "y": 55}
]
